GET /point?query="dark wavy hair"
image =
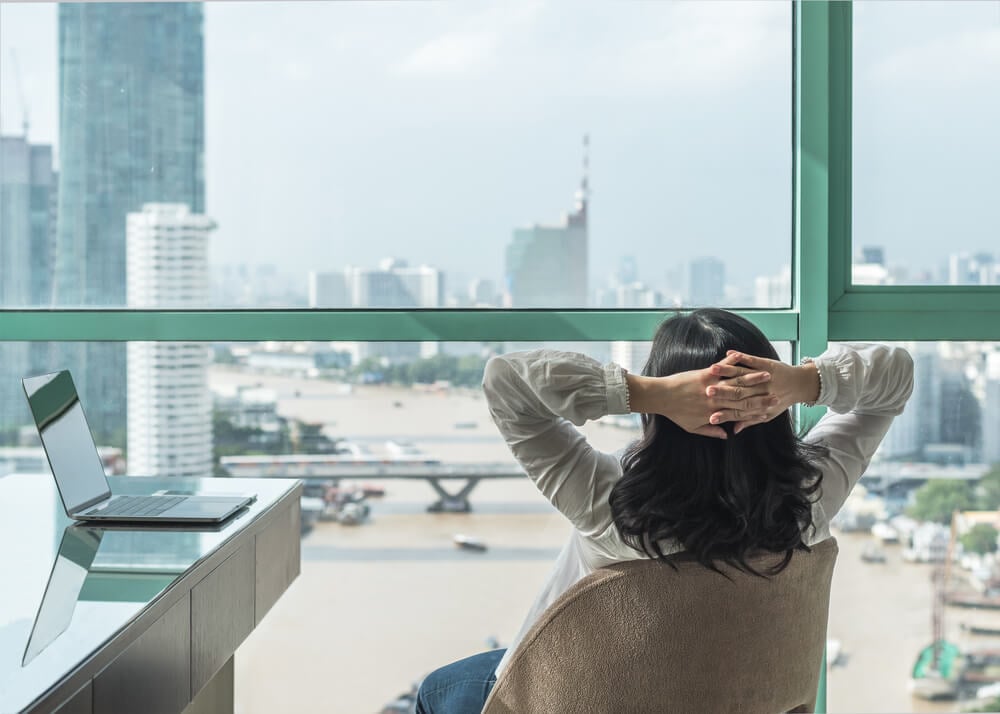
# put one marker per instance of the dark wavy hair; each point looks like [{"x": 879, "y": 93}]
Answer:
[{"x": 723, "y": 500}]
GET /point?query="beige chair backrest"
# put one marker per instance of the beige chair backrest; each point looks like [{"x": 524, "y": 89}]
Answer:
[{"x": 642, "y": 637}]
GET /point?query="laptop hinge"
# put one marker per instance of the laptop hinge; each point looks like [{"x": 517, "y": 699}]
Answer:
[{"x": 91, "y": 503}]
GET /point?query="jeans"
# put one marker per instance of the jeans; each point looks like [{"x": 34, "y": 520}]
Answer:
[{"x": 460, "y": 687}]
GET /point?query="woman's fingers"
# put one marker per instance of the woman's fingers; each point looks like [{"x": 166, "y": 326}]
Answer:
[
  {"x": 745, "y": 375},
  {"x": 764, "y": 404},
  {"x": 729, "y": 391},
  {"x": 755, "y": 363},
  {"x": 753, "y": 410}
]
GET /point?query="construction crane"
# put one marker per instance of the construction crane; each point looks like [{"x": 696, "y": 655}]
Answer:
[{"x": 25, "y": 111}]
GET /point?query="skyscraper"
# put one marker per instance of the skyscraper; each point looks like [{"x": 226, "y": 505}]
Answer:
[
  {"x": 28, "y": 186},
  {"x": 170, "y": 407},
  {"x": 547, "y": 266},
  {"x": 131, "y": 131}
]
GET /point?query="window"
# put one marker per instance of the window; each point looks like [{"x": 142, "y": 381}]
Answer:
[
  {"x": 926, "y": 149},
  {"x": 363, "y": 155},
  {"x": 258, "y": 224},
  {"x": 904, "y": 579}
]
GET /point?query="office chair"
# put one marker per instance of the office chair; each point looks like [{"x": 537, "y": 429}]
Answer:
[{"x": 640, "y": 636}]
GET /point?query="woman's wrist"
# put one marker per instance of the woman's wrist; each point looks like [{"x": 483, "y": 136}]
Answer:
[
  {"x": 641, "y": 392},
  {"x": 807, "y": 383}
]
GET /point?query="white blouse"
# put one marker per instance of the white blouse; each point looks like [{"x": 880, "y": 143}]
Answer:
[{"x": 536, "y": 397}]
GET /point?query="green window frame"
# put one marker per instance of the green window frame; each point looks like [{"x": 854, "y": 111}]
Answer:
[{"x": 825, "y": 305}]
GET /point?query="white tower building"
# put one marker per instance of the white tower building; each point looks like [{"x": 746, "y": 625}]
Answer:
[{"x": 169, "y": 403}]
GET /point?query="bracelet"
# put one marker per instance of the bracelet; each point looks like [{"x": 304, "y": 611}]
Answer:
[
  {"x": 819, "y": 373},
  {"x": 628, "y": 401}
]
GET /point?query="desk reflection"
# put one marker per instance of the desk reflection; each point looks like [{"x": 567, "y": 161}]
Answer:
[{"x": 76, "y": 554}]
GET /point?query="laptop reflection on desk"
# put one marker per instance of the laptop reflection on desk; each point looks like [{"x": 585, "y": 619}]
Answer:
[
  {"x": 79, "y": 474},
  {"x": 77, "y": 551}
]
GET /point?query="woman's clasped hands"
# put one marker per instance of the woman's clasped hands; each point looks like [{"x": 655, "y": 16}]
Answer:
[{"x": 740, "y": 388}]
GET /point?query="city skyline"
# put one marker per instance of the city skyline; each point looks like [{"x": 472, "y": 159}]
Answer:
[
  {"x": 460, "y": 182},
  {"x": 630, "y": 167},
  {"x": 134, "y": 128}
]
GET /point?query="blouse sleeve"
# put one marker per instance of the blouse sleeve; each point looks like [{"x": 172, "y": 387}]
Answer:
[
  {"x": 864, "y": 388},
  {"x": 535, "y": 398}
]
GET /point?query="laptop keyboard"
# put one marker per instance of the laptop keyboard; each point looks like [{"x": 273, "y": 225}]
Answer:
[{"x": 138, "y": 506}]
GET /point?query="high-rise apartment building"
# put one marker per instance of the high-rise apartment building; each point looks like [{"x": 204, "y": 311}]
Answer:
[
  {"x": 28, "y": 190},
  {"x": 170, "y": 406},
  {"x": 131, "y": 132}
]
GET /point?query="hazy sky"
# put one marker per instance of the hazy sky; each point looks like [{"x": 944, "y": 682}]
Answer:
[{"x": 344, "y": 132}]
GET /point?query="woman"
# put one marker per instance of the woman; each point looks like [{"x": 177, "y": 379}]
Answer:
[{"x": 718, "y": 471}]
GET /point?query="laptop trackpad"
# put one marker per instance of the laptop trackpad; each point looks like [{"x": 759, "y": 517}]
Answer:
[{"x": 203, "y": 508}]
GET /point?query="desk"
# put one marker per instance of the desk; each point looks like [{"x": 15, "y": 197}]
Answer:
[{"x": 156, "y": 622}]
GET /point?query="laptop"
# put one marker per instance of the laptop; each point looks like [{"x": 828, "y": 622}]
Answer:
[
  {"x": 79, "y": 473},
  {"x": 76, "y": 554}
]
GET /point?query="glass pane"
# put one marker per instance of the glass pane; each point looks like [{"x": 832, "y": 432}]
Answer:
[
  {"x": 926, "y": 149},
  {"x": 494, "y": 154},
  {"x": 910, "y": 573},
  {"x": 343, "y": 416}
]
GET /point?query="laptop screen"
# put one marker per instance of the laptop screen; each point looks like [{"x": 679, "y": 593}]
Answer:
[{"x": 66, "y": 437}]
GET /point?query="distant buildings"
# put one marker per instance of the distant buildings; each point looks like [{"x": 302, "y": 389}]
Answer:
[
  {"x": 28, "y": 194},
  {"x": 483, "y": 293},
  {"x": 170, "y": 408},
  {"x": 329, "y": 290},
  {"x": 636, "y": 295},
  {"x": 255, "y": 286},
  {"x": 707, "y": 283},
  {"x": 870, "y": 268},
  {"x": 952, "y": 416},
  {"x": 991, "y": 409},
  {"x": 546, "y": 266},
  {"x": 28, "y": 191},
  {"x": 873, "y": 254},
  {"x": 920, "y": 422},
  {"x": 631, "y": 355},
  {"x": 625, "y": 290},
  {"x": 870, "y": 274},
  {"x": 973, "y": 269},
  {"x": 774, "y": 290},
  {"x": 393, "y": 284},
  {"x": 131, "y": 131}
]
